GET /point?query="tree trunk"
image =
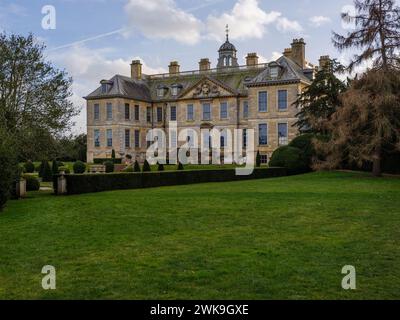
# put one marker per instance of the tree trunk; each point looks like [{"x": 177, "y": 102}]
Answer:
[{"x": 376, "y": 169}]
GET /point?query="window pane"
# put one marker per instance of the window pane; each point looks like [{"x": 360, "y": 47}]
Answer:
[
  {"x": 96, "y": 112},
  {"x": 173, "y": 113},
  {"x": 127, "y": 112},
  {"x": 159, "y": 114},
  {"x": 245, "y": 109},
  {"x": 137, "y": 114},
  {"x": 148, "y": 114},
  {"x": 97, "y": 138},
  {"x": 263, "y": 134},
  {"x": 206, "y": 111},
  {"x": 127, "y": 138},
  {"x": 109, "y": 138},
  {"x": 263, "y": 101},
  {"x": 109, "y": 111},
  {"x": 190, "y": 112},
  {"x": 282, "y": 99},
  {"x": 283, "y": 133},
  {"x": 224, "y": 110},
  {"x": 137, "y": 138}
]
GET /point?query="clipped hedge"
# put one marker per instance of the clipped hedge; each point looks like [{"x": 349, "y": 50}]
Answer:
[
  {"x": 88, "y": 183},
  {"x": 293, "y": 159},
  {"x": 32, "y": 183},
  {"x": 103, "y": 160}
]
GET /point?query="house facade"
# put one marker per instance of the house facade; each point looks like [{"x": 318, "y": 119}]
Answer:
[{"x": 255, "y": 96}]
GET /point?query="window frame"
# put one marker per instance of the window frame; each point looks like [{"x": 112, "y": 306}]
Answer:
[
  {"x": 127, "y": 111},
  {"x": 190, "y": 106},
  {"x": 97, "y": 140},
  {"x": 109, "y": 111},
  {"x": 171, "y": 113},
  {"x": 108, "y": 139},
  {"x": 149, "y": 114},
  {"x": 137, "y": 138},
  {"x": 159, "y": 114},
  {"x": 245, "y": 109},
  {"x": 209, "y": 112},
  {"x": 137, "y": 112},
  {"x": 260, "y": 142},
  {"x": 127, "y": 138},
  {"x": 96, "y": 112},
  {"x": 285, "y": 143},
  {"x": 278, "y": 100},
  {"x": 225, "y": 115},
  {"x": 266, "y": 101}
]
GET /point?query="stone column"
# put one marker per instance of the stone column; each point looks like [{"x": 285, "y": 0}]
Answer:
[
  {"x": 21, "y": 188},
  {"x": 62, "y": 185}
]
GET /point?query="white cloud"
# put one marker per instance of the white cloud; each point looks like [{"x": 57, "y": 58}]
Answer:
[
  {"x": 87, "y": 67},
  {"x": 318, "y": 21},
  {"x": 247, "y": 20},
  {"x": 164, "y": 20},
  {"x": 286, "y": 25}
]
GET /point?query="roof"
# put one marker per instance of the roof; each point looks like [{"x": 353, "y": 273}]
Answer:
[
  {"x": 290, "y": 71},
  {"x": 227, "y": 46},
  {"x": 124, "y": 87},
  {"x": 235, "y": 80}
]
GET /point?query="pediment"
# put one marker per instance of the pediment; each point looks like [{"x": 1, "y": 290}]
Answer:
[{"x": 207, "y": 88}]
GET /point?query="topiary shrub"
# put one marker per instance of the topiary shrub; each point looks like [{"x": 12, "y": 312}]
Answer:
[
  {"x": 47, "y": 174},
  {"x": 305, "y": 144},
  {"x": 29, "y": 167},
  {"x": 136, "y": 167},
  {"x": 180, "y": 166},
  {"x": 54, "y": 167},
  {"x": 32, "y": 183},
  {"x": 161, "y": 167},
  {"x": 109, "y": 166},
  {"x": 128, "y": 169},
  {"x": 79, "y": 167},
  {"x": 146, "y": 166},
  {"x": 258, "y": 159},
  {"x": 64, "y": 169},
  {"x": 291, "y": 158}
]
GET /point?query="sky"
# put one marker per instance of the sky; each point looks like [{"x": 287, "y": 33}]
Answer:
[{"x": 96, "y": 39}]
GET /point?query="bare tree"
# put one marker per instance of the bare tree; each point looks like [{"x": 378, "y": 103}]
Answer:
[{"x": 376, "y": 34}]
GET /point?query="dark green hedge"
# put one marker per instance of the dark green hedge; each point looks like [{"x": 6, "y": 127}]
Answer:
[
  {"x": 101, "y": 161},
  {"x": 88, "y": 183}
]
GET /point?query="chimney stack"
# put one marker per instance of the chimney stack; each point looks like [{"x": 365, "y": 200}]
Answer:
[
  {"x": 136, "y": 70},
  {"x": 204, "y": 64},
  {"x": 252, "y": 59},
  {"x": 299, "y": 52},
  {"x": 324, "y": 62},
  {"x": 174, "y": 67},
  {"x": 288, "y": 53}
]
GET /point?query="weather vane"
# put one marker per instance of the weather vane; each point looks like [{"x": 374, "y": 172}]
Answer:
[{"x": 227, "y": 32}]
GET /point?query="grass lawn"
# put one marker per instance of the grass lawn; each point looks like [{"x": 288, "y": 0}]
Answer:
[{"x": 285, "y": 238}]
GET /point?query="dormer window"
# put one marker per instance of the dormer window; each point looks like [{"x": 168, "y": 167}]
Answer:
[
  {"x": 274, "y": 69},
  {"x": 274, "y": 72},
  {"x": 161, "y": 91},
  {"x": 175, "y": 89},
  {"x": 106, "y": 86}
]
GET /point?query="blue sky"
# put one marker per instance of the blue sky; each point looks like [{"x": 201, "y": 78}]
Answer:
[{"x": 95, "y": 39}]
